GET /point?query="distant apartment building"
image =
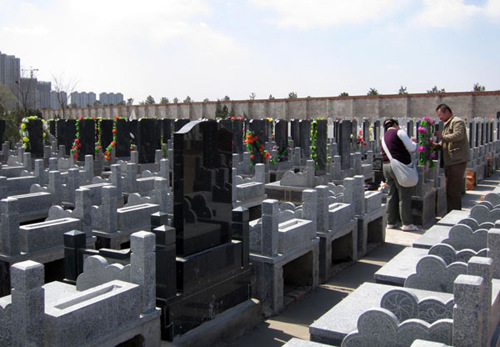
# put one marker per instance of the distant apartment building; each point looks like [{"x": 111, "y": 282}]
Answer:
[
  {"x": 108, "y": 99},
  {"x": 83, "y": 99},
  {"x": 34, "y": 94},
  {"x": 10, "y": 72},
  {"x": 58, "y": 98}
]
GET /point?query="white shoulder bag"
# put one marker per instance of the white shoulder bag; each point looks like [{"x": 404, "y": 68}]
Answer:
[{"x": 406, "y": 175}]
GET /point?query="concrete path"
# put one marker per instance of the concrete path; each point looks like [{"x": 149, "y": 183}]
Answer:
[{"x": 295, "y": 320}]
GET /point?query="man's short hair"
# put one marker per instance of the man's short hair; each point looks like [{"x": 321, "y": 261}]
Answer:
[{"x": 444, "y": 108}]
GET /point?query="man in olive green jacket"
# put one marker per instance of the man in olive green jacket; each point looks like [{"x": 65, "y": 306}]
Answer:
[{"x": 455, "y": 153}]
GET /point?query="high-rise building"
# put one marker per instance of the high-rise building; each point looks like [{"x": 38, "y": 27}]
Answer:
[
  {"x": 10, "y": 72},
  {"x": 43, "y": 91},
  {"x": 83, "y": 99},
  {"x": 110, "y": 98},
  {"x": 56, "y": 98}
]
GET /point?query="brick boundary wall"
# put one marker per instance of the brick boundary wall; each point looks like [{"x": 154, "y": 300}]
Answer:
[{"x": 464, "y": 104}]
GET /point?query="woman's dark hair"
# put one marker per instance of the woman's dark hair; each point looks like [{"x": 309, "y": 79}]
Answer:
[
  {"x": 390, "y": 123},
  {"x": 443, "y": 108}
]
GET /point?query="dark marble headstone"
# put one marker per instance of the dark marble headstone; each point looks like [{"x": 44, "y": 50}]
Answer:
[
  {"x": 238, "y": 136},
  {"x": 482, "y": 134},
  {"x": 212, "y": 268},
  {"x": 410, "y": 128},
  {"x": 305, "y": 137},
  {"x": 498, "y": 125},
  {"x": 472, "y": 134},
  {"x": 133, "y": 131},
  {"x": 478, "y": 135},
  {"x": 376, "y": 131},
  {"x": 87, "y": 138},
  {"x": 69, "y": 134},
  {"x": 260, "y": 129},
  {"x": 344, "y": 143},
  {"x": 106, "y": 133},
  {"x": 148, "y": 139},
  {"x": 122, "y": 148},
  {"x": 491, "y": 131},
  {"x": 35, "y": 131},
  {"x": 179, "y": 123},
  {"x": 321, "y": 146},
  {"x": 52, "y": 127},
  {"x": 166, "y": 129},
  {"x": 295, "y": 131},
  {"x": 2, "y": 129},
  {"x": 366, "y": 130},
  {"x": 281, "y": 139}
]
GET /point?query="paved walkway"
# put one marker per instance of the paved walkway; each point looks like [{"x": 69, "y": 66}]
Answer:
[{"x": 295, "y": 320}]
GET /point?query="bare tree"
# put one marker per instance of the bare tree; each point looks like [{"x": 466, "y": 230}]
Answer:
[
  {"x": 62, "y": 88},
  {"x": 252, "y": 96}
]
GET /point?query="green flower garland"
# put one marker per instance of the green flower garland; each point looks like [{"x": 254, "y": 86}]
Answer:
[
  {"x": 427, "y": 153},
  {"x": 252, "y": 142},
  {"x": 313, "y": 141}
]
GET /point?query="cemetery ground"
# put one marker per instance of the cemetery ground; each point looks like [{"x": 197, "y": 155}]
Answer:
[{"x": 304, "y": 308}]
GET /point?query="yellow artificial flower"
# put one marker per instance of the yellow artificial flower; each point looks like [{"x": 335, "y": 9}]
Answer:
[{"x": 25, "y": 139}]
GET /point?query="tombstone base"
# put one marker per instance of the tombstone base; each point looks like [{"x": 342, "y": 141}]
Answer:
[
  {"x": 336, "y": 247},
  {"x": 226, "y": 326},
  {"x": 297, "y": 268},
  {"x": 371, "y": 229},
  {"x": 423, "y": 209},
  {"x": 181, "y": 314}
]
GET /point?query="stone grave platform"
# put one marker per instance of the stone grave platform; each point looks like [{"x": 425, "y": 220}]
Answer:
[{"x": 339, "y": 321}]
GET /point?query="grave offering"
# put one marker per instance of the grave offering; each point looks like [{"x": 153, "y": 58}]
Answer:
[
  {"x": 212, "y": 268},
  {"x": 84, "y": 143},
  {"x": 32, "y": 136}
]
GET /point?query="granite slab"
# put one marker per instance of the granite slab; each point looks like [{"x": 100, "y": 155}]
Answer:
[
  {"x": 334, "y": 325},
  {"x": 397, "y": 270},
  {"x": 453, "y": 217},
  {"x": 436, "y": 234}
]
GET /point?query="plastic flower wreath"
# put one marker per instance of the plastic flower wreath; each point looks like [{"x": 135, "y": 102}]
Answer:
[
  {"x": 98, "y": 134},
  {"x": 252, "y": 142},
  {"x": 23, "y": 130},
  {"x": 313, "y": 141},
  {"x": 427, "y": 153},
  {"x": 107, "y": 152},
  {"x": 75, "y": 149}
]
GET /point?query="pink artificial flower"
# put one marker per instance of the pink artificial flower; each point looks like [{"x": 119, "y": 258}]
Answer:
[
  {"x": 427, "y": 119},
  {"x": 433, "y": 155},
  {"x": 421, "y": 148},
  {"x": 422, "y": 129}
]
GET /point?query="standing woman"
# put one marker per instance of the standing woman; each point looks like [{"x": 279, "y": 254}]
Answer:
[{"x": 400, "y": 147}]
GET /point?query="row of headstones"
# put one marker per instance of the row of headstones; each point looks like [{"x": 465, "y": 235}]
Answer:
[
  {"x": 144, "y": 134},
  {"x": 464, "y": 264}
]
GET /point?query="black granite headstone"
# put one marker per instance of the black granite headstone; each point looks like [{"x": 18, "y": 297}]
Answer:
[
  {"x": 305, "y": 137},
  {"x": 148, "y": 139},
  {"x": 472, "y": 134},
  {"x": 212, "y": 275},
  {"x": 133, "y": 131},
  {"x": 69, "y": 134},
  {"x": 35, "y": 131},
  {"x": 179, "y": 123},
  {"x": 344, "y": 143},
  {"x": 2, "y": 129},
  {"x": 478, "y": 135},
  {"x": 87, "y": 138},
  {"x": 321, "y": 146},
  {"x": 295, "y": 131},
  {"x": 281, "y": 139},
  {"x": 482, "y": 133},
  {"x": 106, "y": 133},
  {"x": 259, "y": 127},
  {"x": 122, "y": 148},
  {"x": 166, "y": 129},
  {"x": 410, "y": 128},
  {"x": 238, "y": 137},
  {"x": 52, "y": 127}
]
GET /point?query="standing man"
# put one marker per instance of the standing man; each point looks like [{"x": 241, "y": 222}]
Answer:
[{"x": 455, "y": 153}]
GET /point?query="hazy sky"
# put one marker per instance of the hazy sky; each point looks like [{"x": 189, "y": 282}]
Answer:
[{"x": 209, "y": 49}]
